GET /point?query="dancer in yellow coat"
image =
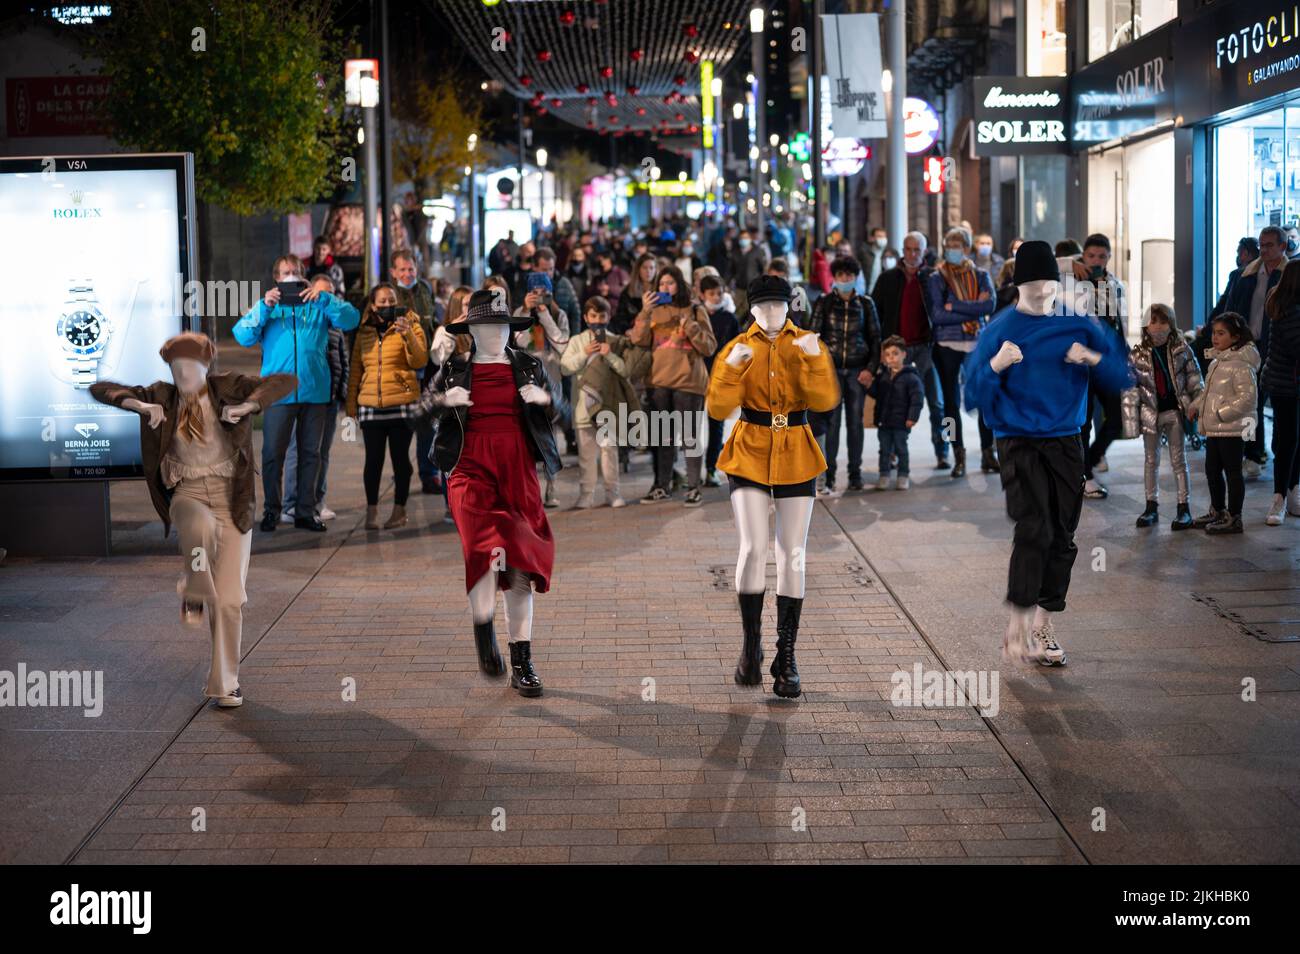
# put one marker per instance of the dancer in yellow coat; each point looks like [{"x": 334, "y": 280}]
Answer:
[{"x": 775, "y": 374}]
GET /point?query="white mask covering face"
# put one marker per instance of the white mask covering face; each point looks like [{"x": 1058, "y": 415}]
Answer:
[
  {"x": 770, "y": 316},
  {"x": 190, "y": 375},
  {"x": 489, "y": 340},
  {"x": 1037, "y": 298}
]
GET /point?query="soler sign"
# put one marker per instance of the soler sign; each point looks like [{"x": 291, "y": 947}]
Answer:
[{"x": 1020, "y": 115}]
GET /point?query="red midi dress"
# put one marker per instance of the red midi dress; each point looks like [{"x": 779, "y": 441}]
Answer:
[{"x": 493, "y": 491}]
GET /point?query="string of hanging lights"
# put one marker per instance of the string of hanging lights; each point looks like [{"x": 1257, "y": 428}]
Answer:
[{"x": 618, "y": 67}]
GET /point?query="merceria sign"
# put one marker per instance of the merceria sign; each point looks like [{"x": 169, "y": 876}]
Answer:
[{"x": 1015, "y": 115}]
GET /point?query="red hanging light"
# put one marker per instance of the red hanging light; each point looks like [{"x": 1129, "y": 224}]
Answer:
[
  {"x": 679, "y": 80},
  {"x": 557, "y": 102},
  {"x": 582, "y": 88},
  {"x": 525, "y": 80},
  {"x": 691, "y": 30},
  {"x": 640, "y": 110},
  {"x": 543, "y": 56},
  {"x": 637, "y": 54},
  {"x": 567, "y": 18},
  {"x": 633, "y": 90},
  {"x": 607, "y": 71},
  {"x": 692, "y": 56}
]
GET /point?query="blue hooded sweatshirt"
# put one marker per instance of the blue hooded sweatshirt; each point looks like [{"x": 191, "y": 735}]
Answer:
[
  {"x": 294, "y": 340},
  {"x": 1043, "y": 395}
]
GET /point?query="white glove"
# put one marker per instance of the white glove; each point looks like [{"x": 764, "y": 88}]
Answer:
[
  {"x": 234, "y": 413},
  {"x": 1007, "y": 355},
  {"x": 739, "y": 354},
  {"x": 532, "y": 394},
  {"x": 444, "y": 343},
  {"x": 456, "y": 397},
  {"x": 1081, "y": 354},
  {"x": 808, "y": 344}
]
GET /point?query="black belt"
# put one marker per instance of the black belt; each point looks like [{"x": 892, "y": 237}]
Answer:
[{"x": 775, "y": 421}]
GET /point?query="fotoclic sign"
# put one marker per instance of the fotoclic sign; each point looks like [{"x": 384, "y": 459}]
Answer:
[
  {"x": 1235, "y": 54},
  {"x": 1020, "y": 115}
]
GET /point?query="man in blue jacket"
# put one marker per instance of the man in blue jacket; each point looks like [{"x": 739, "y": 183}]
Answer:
[
  {"x": 1029, "y": 377},
  {"x": 294, "y": 338}
]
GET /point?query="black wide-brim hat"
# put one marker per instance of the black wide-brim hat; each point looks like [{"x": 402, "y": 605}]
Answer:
[
  {"x": 487, "y": 306},
  {"x": 769, "y": 288},
  {"x": 1035, "y": 262}
]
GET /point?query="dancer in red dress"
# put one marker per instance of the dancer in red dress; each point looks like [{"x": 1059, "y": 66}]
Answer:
[{"x": 494, "y": 406}]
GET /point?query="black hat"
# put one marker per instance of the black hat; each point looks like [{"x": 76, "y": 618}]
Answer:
[
  {"x": 487, "y": 306},
  {"x": 1035, "y": 262},
  {"x": 769, "y": 288}
]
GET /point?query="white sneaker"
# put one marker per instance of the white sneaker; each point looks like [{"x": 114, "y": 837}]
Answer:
[
  {"x": 1046, "y": 648},
  {"x": 882, "y": 482},
  {"x": 618, "y": 502},
  {"x": 1250, "y": 469},
  {"x": 1293, "y": 502},
  {"x": 1276, "y": 511},
  {"x": 326, "y": 513},
  {"x": 585, "y": 502},
  {"x": 903, "y": 483},
  {"x": 824, "y": 491},
  {"x": 1102, "y": 466},
  {"x": 1094, "y": 490},
  {"x": 286, "y": 516},
  {"x": 231, "y": 700}
]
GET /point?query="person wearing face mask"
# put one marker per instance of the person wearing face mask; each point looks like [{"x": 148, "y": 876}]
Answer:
[
  {"x": 196, "y": 440},
  {"x": 632, "y": 298},
  {"x": 873, "y": 250},
  {"x": 1029, "y": 377},
  {"x": 775, "y": 374},
  {"x": 1168, "y": 382},
  {"x": 414, "y": 293},
  {"x": 680, "y": 338},
  {"x": 1005, "y": 279},
  {"x": 495, "y": 425},
  {"x": 900, "y": 298},
  {"x": 1248, "y": 299},
  {"x": 687, "y": 261},
  {"x": 752, "y": 258},
  {"x": 961, "y": 299},
  {"x": 387, "y": 354},
  {"x": 294, "y": 337},
  {"x": 722, "y": 318},
  {"x": 983, "y": 255},
  {"x": 579, "y": 272},
  {"x": 849, "y": 327}
]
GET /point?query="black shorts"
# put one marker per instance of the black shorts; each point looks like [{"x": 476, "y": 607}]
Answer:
[{"x": 778, "y": 491}]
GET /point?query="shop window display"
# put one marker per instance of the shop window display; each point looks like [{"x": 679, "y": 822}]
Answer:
[{"x": 1257, "y": 163}]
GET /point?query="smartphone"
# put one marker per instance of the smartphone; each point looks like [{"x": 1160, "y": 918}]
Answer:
[
  {"x": 291, "y": 292},
  {"x": 540, "y": 282},
  {"x": 598, "y": 331},
  {"x": 663, "y": 298}
]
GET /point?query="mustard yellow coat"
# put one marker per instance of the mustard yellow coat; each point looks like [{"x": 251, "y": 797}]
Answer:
[
  {"x": 780, "y": 378},
  {"x": 384, "y": 366}
]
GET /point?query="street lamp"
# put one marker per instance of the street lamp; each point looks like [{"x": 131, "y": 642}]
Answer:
[{"x": 541, "y": 186}]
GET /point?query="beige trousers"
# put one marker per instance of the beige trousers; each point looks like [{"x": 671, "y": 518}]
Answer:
[
  {"x": 591, "y": 454},
  {"x": 215, "y": 557}
]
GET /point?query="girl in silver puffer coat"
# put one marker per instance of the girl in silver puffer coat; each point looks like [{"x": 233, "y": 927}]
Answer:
[
  {"x": 1168, "y": 381},
  {"x": 1226, "y": 412}
]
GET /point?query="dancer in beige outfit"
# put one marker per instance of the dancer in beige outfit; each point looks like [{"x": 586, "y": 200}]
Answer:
[{"x": 196, "y": 440}]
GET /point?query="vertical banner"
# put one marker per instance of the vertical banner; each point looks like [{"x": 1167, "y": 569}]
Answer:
[
  {"x": 706, "y": 101},
  {"x": 851, "y": 45}
]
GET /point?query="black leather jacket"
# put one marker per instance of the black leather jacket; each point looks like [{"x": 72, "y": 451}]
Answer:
[{"x": 538, "y": 419}]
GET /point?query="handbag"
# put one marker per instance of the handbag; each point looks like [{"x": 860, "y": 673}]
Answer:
[{"x": 1130, "y": 406}]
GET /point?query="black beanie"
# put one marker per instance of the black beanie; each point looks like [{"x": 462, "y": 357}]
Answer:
[
  {"x": 1035, "y": 262},
  {"x": 769, "y": 288}
]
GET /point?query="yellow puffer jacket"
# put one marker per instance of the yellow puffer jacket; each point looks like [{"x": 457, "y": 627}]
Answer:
[
  {"x": 781, "y": 378},
  {"x": 384, "y": 366}
]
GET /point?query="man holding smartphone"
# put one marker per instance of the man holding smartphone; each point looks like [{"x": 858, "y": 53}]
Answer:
[{"x": 546, "y": 339}]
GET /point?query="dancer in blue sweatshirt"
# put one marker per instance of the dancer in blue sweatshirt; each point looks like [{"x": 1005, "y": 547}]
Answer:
[{"x": 1029, "y": 377}]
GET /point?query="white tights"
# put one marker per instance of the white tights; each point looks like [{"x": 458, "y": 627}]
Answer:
[
  {"x": 793, "y": 514},
  {"x": 519, "y": 603}
]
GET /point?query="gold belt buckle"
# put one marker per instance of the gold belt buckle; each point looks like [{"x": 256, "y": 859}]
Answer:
[{"x": 779, "y": 422}]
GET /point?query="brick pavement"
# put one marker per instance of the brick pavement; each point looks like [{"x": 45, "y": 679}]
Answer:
[{"x": 414, "y": 769}]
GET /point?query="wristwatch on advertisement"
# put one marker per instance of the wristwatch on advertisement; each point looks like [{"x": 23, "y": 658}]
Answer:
[{"x": 83, "y": 332}]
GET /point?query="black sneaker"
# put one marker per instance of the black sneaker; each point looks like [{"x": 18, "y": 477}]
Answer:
[
  {"x": 943, "y": 464},
  {"x": 1228, "y": 524},
  {"x": 693, "y": 497},
  {"x": 855, "y": 484},
  {"x": 269, "y": 522},
  {"x": 656, "y": 494},
  {"x": 1207, "y": 518},
  {"x": 309, "y": 523}
]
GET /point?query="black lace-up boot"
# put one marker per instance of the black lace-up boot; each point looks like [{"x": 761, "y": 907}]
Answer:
[
  {"x": 749, "y": 671},
  {"x": 522, "y": 676},
  {"x": 785, "y": 673},
  {"x": 489, "y": 656}
]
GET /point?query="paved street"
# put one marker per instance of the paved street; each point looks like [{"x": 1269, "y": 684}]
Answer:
[{"x": 642, "y": 748}]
